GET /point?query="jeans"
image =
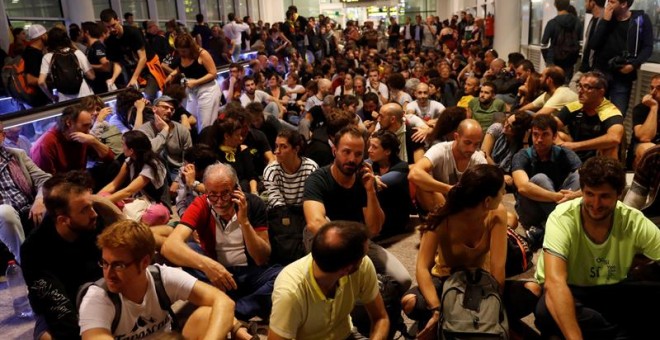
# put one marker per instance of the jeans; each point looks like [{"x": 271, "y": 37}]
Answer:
[
  {"x": 255, "y": 286},
  {"x": 534, "y": 213},
  {"x": 203, "y": 102},
  {"x": 619, "y": 94},
  {"x": 12, "y": 232},
  {"x": 617, "y": 311}
]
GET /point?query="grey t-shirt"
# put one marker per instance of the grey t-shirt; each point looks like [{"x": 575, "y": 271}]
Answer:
[{"x": 444, "y": 165}]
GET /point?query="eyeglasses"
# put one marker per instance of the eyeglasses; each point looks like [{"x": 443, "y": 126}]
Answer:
[
  {"x": 586, "y": 87},
  {"x": 166, "y": 107},
  {"x": 213, "y": 197},
  {"x": 116, "y": 266}
]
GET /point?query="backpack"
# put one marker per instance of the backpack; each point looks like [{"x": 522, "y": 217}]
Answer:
[
  {"x": 65, "y": 72},
  {"x": 285, "y": 230},
  {"x": 471, "y": 307},
  {"x": 567, "y": 46},
  {"x": 518, "y": 253},
  {"x": 390, "y": 290},
  {"x": 14, "y": 80},
  {"x": 163, "y": 299}
]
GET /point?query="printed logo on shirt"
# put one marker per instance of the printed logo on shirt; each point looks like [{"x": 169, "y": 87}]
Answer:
[
  {"x": 144, "y": 327},
  {"x": 603, "y": 268}
]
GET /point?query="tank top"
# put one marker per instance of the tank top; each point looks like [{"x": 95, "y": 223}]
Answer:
[
  {"x": 450, "y": 256},
  {"x": 194, "y": 71}
]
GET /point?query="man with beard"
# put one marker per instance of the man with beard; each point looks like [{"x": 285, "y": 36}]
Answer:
[
  {"x": 345, "y": 190},
  {"x": 422, "y": 106},
  {"x": 588, "y": 289},
  {"x": 313, "y": 296},
  {"x": 556, "y": 94},
  {"x": 391, "y": 119},
  {"x": 483, "y": 108},
  {"x": 594, "y": 123},
  {"x": 61, "y": 254},
  {"x": 645, "y": 123},
  {"x": 127, "y": 46},
  {"x": 252, "y": 95},
  {"x": 444, "y": 163},
  {"x": 168, "y": 138}
]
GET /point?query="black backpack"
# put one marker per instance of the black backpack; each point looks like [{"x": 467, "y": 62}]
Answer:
[
  {"x": 65, "y": 72},
  {"x": 567, "y": 45},
  {"x": 163, "y": 300},
  {"x": 518, "y": 254}
]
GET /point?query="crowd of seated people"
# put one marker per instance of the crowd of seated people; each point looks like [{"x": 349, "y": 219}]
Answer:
[{"x": 274, "y": 198}]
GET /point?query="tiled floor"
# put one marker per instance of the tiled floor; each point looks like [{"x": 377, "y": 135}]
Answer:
[{"x": 404, "y": 247}]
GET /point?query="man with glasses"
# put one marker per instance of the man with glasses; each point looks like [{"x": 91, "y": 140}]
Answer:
[
  {"x": 127, "y": 248},
  {"x": 231, "y": 87},
  {"x": 594, "y": 123},
  {"x": 168, "y": 138},
  {"x": 21, "y": 200},
  {"x": 61, "y": 254},
  {"x": 234, "y": 247}
]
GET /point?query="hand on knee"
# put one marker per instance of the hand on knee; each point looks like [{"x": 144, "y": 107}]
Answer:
[{"x": 408, "y": 303}]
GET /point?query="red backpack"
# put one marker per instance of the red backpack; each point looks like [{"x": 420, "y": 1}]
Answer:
[{"x": 15, "y": 82}]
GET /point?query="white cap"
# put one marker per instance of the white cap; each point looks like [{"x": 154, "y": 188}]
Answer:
[{"x": 35, "y": 31}]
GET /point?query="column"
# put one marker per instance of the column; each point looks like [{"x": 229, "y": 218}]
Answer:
[
  {"x": 507, "y": 27},
  {"x": 79, "y": 11},
  {"x": 4, "y": 29},
  {"x": 271, "y": 10}
]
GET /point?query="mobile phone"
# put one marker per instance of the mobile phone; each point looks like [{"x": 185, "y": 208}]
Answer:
[
  {"x": 360, "y": 171},
  {"x": 236, "y": 188}
]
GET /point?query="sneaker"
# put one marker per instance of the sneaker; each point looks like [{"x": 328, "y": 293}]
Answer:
[{"x": 535, "y": 237}]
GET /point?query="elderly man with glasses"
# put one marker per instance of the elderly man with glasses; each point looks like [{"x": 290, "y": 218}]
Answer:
[
  {"x": 595, "y": 125},
  {"x": 234, "y": 246}
]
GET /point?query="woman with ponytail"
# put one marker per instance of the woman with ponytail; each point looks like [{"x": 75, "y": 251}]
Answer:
[{"x": 469, "y": 231}]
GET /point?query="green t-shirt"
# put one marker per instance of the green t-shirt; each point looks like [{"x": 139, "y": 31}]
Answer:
[
  {"x": 485, "y": 116},
  {"x": 591, "y": 264}
]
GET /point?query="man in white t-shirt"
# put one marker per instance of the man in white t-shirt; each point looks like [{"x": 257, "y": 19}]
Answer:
[
  {"x": 252, "y": 95},
  {"x": 376, "y": 86},
  {"x": 444, "y": 163},
  {"x": 556, "y": 94},
  {"x": 127, "y": 248},
  {"x": 422, "y": 106}
]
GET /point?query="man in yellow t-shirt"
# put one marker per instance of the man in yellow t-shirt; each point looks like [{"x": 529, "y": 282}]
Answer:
[
  {"x": 314, "y": 296},
  {"x": 587, "y": 255}
]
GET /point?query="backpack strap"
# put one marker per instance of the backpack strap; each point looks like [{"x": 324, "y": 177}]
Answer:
[
  {"x": 114, "y": 298},
  {"x": 163, "y": 299}
]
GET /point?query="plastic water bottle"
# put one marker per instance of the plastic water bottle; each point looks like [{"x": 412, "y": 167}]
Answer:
[
  {"x": 184, "y": 80},
  {"x": 56, "y": 96},
  {"x": 18, "y": 290}
]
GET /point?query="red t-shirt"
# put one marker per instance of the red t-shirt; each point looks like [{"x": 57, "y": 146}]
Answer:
[{"x": 53, "y": 153}]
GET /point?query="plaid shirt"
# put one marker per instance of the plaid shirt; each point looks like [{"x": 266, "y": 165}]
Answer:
[{"x": 10, "y": 193}]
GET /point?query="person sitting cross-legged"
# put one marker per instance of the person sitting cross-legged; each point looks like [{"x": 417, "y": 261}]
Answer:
[
  {"x": 234, "y": 246},
  {"x": 127, "y": 249}
]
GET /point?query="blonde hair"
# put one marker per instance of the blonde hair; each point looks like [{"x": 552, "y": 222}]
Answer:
[{"x": 134, "y": 236}]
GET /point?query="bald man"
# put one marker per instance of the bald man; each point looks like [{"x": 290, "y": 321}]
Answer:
[
  {"x": 444, "y": 163},
  {"x": 390, "y": 118},
  {"x": 424, "y": 107},
  {"x": 325, "y": 87},
  {"x": 505, "y": 81}
]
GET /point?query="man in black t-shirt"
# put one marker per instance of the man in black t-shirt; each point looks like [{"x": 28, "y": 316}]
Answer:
[
  {"x": 594, "y": 123},
  {"x": 61, "y": 254},
  {"x": 127, "y": 46},
  {"x": 32, "y": 55},
  {"x": 96, "y": 54},
  {"x": 645, "y": 124},
  {"x": 201, "y": 32},
  {"x": 345, "y": 190},
  {"x": 622, "y": 41}
]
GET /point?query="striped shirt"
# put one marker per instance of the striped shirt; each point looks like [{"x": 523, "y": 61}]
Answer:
[{"x": 284, "y": 188}]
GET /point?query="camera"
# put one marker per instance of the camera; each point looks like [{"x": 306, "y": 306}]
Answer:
[{"x": 620, "y": 61}]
